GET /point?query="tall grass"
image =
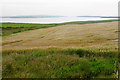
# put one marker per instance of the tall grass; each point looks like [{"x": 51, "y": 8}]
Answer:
[
  {"x": 58, "y": 63},
  {"x": 69, "y": 51}
]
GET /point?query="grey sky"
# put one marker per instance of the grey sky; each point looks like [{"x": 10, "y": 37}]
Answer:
[{"x": 60, "y": 7}]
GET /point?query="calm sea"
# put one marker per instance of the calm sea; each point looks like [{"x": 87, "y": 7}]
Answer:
[{"x": 51, "y": 20}]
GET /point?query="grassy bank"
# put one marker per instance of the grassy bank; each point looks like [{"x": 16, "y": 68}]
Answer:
[
  {"x": 58, "y": 63},
  {"x": 11, "y": 28},
  {"x": 84, "y": 22}
]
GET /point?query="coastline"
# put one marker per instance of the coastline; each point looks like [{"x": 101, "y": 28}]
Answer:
[{"x": 70, "y": 22}]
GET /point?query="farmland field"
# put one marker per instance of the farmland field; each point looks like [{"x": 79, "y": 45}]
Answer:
[{"x": 69, "y": 50}]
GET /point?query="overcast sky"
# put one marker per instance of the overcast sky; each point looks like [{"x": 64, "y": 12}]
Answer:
[{"x": 60, "y": 7}]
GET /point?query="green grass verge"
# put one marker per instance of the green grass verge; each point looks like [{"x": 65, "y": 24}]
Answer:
[
  {"x": 12, "y": 28},
  {"x": 23, "y": 25},
  {"x": 58, "y": 63},
  {"x": 84, "y": 22}
]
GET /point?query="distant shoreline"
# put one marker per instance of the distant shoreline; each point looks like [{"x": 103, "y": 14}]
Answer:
[
  {"x": 85, "y": 22},
  {"x": 71, "y": 22}
]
